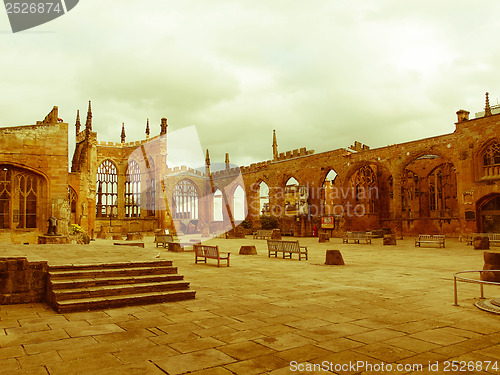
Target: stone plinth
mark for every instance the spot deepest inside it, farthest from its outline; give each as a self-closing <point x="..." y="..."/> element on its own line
<point x="248" y="250"/>
<point x="276" y="234"/>
<point x="481" y="243"/>
<point x="323" y="237"/>
<point x="389" y="239"/>
<point x="135" y="236"/>
<point x="53" y="239"/>
<point x="491" y="262"/>
<point x="117" y="237"/>
<point x="334" y="257"/>
<point x="175" y="247"/>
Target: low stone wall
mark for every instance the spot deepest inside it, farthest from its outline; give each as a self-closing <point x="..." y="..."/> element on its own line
<point x="22" y="281"/>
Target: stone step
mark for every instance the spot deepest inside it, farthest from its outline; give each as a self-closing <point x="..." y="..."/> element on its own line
<point x="118" y="290"/>
<point x="65" y="283"/>
<point x="154" y="263"/>
<point x="120" y="301"/>
<point x="113" y="272"/>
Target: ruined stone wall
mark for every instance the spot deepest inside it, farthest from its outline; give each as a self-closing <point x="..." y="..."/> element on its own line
<point x="462" y="149"/>
<point x="43" y="150"/>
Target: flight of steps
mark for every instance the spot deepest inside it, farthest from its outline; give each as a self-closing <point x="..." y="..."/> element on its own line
<point x="102" y="286"/>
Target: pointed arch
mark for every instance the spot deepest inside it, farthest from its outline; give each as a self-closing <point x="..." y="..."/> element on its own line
<point x="239" y="209"/>
<point x="218" y="205"/>
<point x="329" y="194"/>
<point x="185" y="200"/>
<point x="133" y="190"/>
<point x="264" y="208"/>
<point x="107" y="189"/>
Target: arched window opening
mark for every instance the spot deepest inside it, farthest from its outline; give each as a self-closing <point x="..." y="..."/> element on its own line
<point x="292" y="197"/>
<point x="264" y="198"/>
<point x="20" y="191"/>
<point x="28" y="186"/>
<point x="185" y="201"/>
<point x="330" y="195"/>
<point x="239" y="204"/>
<point x="364" y="184"/>
<point x="73" y="200"/>
<point x="133" y="190"/>
<point x="107" y="189"/>
<point x="491" y="161"/>
<point x="218" y="205"/>
<point x="442" y="191"/>
<point x="5" y="197"/>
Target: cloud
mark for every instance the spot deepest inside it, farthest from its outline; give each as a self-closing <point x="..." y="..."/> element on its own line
<point x="322" y="74"/>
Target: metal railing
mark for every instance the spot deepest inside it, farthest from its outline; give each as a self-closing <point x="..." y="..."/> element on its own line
<point x="473" y="281"/>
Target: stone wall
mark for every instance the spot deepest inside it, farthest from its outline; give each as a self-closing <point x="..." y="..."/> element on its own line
<point x="22" y="281"/>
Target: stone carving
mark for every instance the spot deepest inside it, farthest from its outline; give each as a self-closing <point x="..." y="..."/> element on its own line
<point x="52" y="226"/>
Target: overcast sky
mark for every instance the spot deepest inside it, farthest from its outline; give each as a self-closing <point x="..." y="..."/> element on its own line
<point x="322" y="73"/>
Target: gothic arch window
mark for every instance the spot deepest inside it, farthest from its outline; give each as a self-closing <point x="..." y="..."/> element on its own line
<point x="329" y="194"/>
<point x="364" y="183"/>
<point x="218" y="206"/>
<point x="107" y="189"/>
<point x="491" y="161"/>
<point x="133" y="190"/>
<point x="185" y="201"/>
<point x="73" y="201"/>
<point x="442" y="191"/>
<point x="239" y="204"/>
<point x="20" y="194"/>
<point x="5" y="197"/>
<point x="264" y="198"/>
<point x="292" y="197"/>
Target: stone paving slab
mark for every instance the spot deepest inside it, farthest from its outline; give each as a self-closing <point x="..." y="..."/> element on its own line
<point x="258" y="316"/>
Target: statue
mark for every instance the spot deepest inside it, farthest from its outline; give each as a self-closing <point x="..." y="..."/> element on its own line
<point x="52" y="226"/>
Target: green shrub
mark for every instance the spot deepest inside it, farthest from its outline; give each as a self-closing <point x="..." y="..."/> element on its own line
<point x="268" y="222"/>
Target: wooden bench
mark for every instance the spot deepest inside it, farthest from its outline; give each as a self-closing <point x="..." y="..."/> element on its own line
<point x="493" y="237"/>
<point x="286" y="247"/>
<point x="437" y="239"/>
<point x="263" y="234"/>
<point x="205" y="252"/>
<point x="357" y="236"/>
<point x="163" y="239"/>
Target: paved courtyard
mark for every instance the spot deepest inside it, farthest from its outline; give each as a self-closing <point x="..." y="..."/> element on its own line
<point x="388" y="310"/>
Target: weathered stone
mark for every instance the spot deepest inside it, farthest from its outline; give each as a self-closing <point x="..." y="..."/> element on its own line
<point x="334" y="257"/>
<point x="491" y="262"/>
<point x="481" y="243"/>
<point x="53" y="239"/>
<point x="248" y="250"/>
<point x="276" y="235"/>
<point x="175" y="247"/>
<point x="134" y="236"/>
<point x="323" y="237"/>
<point x="389" y="239"/>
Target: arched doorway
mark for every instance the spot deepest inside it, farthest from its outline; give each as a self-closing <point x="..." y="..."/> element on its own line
<point x="489" y="214"/>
